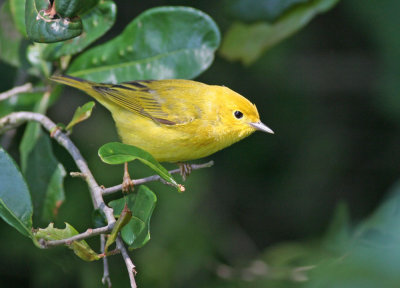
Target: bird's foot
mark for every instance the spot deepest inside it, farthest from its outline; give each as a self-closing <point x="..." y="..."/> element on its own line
<point x="186" y="169"/>
<point x="127" y="183"/>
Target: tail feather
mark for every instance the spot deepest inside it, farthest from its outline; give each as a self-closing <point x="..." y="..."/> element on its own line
<point x="79" y="83"/>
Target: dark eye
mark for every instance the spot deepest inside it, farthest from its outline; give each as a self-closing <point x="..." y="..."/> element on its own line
<point x="238" y="114"/>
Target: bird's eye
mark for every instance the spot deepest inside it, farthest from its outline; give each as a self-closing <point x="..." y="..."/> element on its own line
<point x="238" y="114"/>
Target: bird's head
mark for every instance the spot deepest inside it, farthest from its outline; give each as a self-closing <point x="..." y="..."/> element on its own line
<point x="240" y="115"/>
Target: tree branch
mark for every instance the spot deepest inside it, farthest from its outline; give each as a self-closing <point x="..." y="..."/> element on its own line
<point x="89" y="233"/>
<point x="128" y="261"/>
<point x="113" y="189"/>
<point x="16" y="90"/>
<point x="17" y="118"/>
<point x="106" y="272"/>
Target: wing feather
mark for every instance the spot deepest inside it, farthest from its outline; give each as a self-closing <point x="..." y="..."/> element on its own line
<point x="156" y="100"/>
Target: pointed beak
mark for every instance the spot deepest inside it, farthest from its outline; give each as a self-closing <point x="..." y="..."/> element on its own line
<point x="262" y="127"/>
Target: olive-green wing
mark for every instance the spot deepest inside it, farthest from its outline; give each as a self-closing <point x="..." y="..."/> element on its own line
<point x="167" y="102"/>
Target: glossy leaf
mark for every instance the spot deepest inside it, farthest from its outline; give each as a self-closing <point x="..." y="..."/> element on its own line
<point x="10" y="38"/>
<point x="137" y="232"/>
<point x="42" y="171"/>
<point x="70" y="8"/>
<point x="259" y="10"/>
<point x="119" y="153"/>
<point x="15" y="200"/>
<point x="42" y="27"/>
<point x="161" y="43"/>
<point x="81" y="114"/>
<point x="80" y="248"/>
<point x="247" y="42"/>
<point x="96" y="22"/>
<point x="18" y="14"/>
<point x="123" y="219"/>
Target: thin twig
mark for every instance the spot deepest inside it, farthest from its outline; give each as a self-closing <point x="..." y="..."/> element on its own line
<point x="17" y="118"/>
<point x="78" y="237"/>
<point x="128" y="262"/>
<point x="16" y="90"/>
<point x="113" y="189"/>
<point x="106" y="272"/>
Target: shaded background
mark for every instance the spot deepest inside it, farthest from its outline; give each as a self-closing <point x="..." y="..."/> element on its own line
<point x="331" y="94"/>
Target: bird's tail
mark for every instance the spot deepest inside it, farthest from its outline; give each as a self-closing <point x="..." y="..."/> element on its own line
<point x="79" y="83"/>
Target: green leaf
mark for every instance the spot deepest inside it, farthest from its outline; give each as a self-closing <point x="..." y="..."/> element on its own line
<point x="28" y="143"/>
<point x="15" y="200"/>
<point x="137" y="232"/>
<point x="123" y="219"/>
<point x="55" y="195"/>
<point x="42" y="27"/>
<point x="70" y="8"/>
<point x="18" y="15"/>
<point x="258" y="10"/>
<point x="161" y="43"/>
<point x="10" y="38"/>
<point x="96" y="22"/>
<point x="99" y="218"/>
<point x="119" y="153"/>
<point x="81" y="114"/>
<point x="80" y="248"/>
<point x="247" y="42"/>
<point x="42" y="171"/>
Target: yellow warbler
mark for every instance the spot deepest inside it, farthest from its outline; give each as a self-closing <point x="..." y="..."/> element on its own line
<point x="174" y="120"/>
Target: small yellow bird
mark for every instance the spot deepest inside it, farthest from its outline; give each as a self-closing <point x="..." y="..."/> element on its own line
<point x="174" y="120"/>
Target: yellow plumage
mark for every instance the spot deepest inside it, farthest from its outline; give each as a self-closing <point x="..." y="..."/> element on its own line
<point x="174" y="120"/>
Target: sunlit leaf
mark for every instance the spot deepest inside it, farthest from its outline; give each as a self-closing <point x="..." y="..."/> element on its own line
<point x="119" y="153"/>
<point x="15" y="200"/>
<point x="80" y="248"/>
<point x="81" y="114"/>
<point x="161" y="43"/>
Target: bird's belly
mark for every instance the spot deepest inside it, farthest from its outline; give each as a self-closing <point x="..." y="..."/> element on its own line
<point x="167" y="143"/>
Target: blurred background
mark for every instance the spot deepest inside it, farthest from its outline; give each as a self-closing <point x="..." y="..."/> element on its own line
<point x="331" y="93"/>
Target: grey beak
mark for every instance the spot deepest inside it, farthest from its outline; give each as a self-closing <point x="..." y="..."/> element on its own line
<point x="262" y="127"/>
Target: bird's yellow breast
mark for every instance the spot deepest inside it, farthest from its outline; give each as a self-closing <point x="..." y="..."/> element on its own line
<point x="173" y="143"/>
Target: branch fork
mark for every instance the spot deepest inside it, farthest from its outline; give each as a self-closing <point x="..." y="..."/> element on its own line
<point x="97" y="192"/>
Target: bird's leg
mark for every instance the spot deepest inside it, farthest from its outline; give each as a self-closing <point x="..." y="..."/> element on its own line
<point x="127" y="183"/>
<point x="186" y="169"/>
